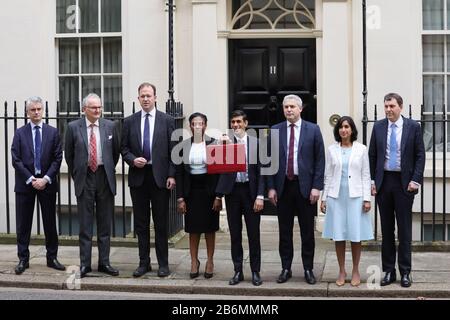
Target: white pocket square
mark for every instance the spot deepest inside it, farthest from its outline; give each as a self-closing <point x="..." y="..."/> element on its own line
<point x="110" y="137"/>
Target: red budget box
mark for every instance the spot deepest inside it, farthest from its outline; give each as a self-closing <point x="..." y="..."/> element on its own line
<point x="225" y="158"/>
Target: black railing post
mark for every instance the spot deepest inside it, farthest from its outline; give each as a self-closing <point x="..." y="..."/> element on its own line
<point x="8" y="221"/>
<point x="364" y="72"/>
<point x="422" y="188"/>
<point x="170" y="7"/>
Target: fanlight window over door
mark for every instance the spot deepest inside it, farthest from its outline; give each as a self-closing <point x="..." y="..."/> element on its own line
<point x="273" y="14"/>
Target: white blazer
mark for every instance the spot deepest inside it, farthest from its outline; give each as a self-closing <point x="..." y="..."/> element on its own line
<point x="358" y="172"/>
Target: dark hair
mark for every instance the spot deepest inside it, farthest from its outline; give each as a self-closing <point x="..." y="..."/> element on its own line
<point x="238" y="113"/>
<point x="352" y="125"/>
<point x="198" y="114"/>
<point x="146" y="84"/>
<point x="395" y="96"/>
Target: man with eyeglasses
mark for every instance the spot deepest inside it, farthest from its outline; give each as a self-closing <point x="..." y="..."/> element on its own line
<point x="36" y="157"/>
<point x="92" y="152"/>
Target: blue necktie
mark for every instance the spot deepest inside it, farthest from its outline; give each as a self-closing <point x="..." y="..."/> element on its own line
<point x="37" y="150"/>
<point x="146" y="146"/>
<point x="393" y="148"/>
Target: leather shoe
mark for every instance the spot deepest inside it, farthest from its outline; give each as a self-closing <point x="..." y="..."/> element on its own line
<point x="238" y="277"/>
<point x="141" y="270"/>
<point x="389" y="277"/>
<point x="406" y="280"/>
<point x="55" y="264"/>
<point x="256" y="279"/>
<point x="84" y="270"/>
<point x="309" y="277"/>
<point x="163" y="272"/>
<point x="108" y="270"/>
<point x="284" y="276"/>
<point x="21" y="266"/>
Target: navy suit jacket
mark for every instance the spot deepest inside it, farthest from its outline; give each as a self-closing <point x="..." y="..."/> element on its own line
<point x="162" y="165"/>
<point x="310" y="159"/>
<point x="412" y="152"/>
<point x="256" y="181"/>
<point x="22" y="152"/>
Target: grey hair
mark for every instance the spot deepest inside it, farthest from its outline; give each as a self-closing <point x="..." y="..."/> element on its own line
<point x="90" y="96"/>
<point x="294" y="97"/>
<point x="32" y="101"/>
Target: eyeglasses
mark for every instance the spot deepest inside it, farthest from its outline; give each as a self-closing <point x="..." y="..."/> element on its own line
<point x="94" y="108"/>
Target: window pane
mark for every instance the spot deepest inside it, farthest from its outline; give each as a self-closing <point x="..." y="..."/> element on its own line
<point x="88" y="15"/>
<point x="433" y="92"/>
<point x="433" y="14"/>
<point x="68" y="56"/>
<point x="433" y="53"/>
<point x="68" y="94"/>
<point x="112" y="55"/>
<point x="113" y="93"/>
<point x="65" y="16"/>
<point x="111" y="16"/>
<point x="90" y="55"/>
<point x="91" y="85"/>
<point x="433" y="136"/>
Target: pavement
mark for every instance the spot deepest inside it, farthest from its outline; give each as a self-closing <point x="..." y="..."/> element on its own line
<point x="431" y="271"/>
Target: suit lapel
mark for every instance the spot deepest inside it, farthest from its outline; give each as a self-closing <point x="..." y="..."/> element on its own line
<point x="283" y="137"/>
<point x="29" y="138"/>
<point x="44" y="138"/>
<point x="383" y="137"/>
<point x="102" y="132"/>
<point x="405" y="132"/>
<point x="156" y="129"/>
<point x="303" y="133"/>
<point x="83" y="132"/>
<point x="137" y="128"/>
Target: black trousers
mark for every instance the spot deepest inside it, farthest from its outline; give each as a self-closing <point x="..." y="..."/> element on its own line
<point x="395" y="204"/>
<point x="96" y="197"/>
<point x="291" y="204"/>
<point x="24" y="221"/>
<point x="141" y="197"/>
<point x="239" y="203"/>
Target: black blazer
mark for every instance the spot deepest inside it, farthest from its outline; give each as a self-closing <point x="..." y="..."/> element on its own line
<point x="183" y="175"/>
<point x="22" y="152"/>
<point x="412" y="152"/>
<point x="310" y="160"/>
<point x="256" y="181"/>
<point x="162" y="145"/>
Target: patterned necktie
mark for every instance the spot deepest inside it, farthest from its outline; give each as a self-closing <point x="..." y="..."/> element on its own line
<point x="37" y="150"/>
<point x="92" y="150"/>
<point x="146" y="147"/>
<point x="392" y="165"/>
<point x="290" y="168"/>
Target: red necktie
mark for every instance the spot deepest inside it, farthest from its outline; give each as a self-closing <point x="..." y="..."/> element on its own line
<point x="290" y="168"/>
<point x="92" y="150"/>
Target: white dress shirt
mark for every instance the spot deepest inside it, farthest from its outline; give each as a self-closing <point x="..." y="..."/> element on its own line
<point x="33" y="132"/>
<point x="297" y="128"/>
<point x="197" y="158"/>
<point x="151" y="118"/>
<point x="243" y="176"/>
<point x="97" y="139"/>
<point x="399" y="130"/>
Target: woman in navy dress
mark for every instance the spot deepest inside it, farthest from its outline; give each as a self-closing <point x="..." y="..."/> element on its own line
<point x="346" y="196"/>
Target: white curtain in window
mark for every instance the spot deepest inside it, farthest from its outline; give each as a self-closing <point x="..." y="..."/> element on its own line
<point x="433" y="14"/>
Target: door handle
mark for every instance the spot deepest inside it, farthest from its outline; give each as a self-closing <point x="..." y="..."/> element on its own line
<point x="273" y="70"/>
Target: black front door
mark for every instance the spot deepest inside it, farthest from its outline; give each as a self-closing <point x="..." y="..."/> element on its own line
<point x="264" y="71"/>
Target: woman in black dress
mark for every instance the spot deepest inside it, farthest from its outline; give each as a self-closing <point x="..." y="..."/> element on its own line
<point x="196" y="194"/>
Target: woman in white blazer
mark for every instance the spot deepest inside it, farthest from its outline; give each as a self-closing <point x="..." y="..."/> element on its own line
<point x="346" y="196"/>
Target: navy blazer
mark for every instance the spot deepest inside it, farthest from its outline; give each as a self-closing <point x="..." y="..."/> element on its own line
<point x="412" y="152"/>
<point x="162" y="165"/>
<point x="183" y="170"/>
<point x="256" y="181"/>
<point x="22" y="152"/>
<point x="310" y="159"/>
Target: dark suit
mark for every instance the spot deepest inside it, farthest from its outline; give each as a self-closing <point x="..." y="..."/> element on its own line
<point x="293" y="196"/>
<point x="149" y="183"/>
<point x="22" y="151"/>
<point x="93" y="189"/>
<point x="392" y="193"/>
<point x="240" y="198"/>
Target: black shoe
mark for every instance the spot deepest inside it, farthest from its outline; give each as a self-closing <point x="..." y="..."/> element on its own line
<point x="84" y="270"/>
<point x="163" y="272"/>
<point x="55" y="264"/>
<point x="406" y="280"/>
<point x="21" y="266"/>
<point x="194" y="275"/>
<point x="284" y="276"/>
<point x="256" y="279"/>
<point x="238" y="277"/>
<point x="389" y="277"/>
<point x="108" y="270"/>
<point x="309" y="277"/>
<point x="141" y="270"/>
<point x="208" y="275"/>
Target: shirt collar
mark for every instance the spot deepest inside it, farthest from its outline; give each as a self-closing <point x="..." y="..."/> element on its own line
<point x="34" y="125"/>
<point x="297" y="124"/>
<point x="244" y="138"/>
<point x="152" y="113"/>
<point x="398" y="123"/>
<point x="88" y="123"/>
